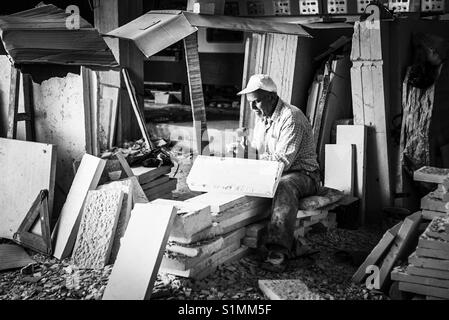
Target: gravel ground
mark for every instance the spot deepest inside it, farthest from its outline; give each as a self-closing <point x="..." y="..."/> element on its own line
<point x="324" y="274"/>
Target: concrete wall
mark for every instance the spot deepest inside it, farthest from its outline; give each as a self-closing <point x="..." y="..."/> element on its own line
<point x="59" y="120"/>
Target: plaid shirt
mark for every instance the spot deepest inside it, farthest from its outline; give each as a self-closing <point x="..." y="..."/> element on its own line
<point x="286" y="136"/>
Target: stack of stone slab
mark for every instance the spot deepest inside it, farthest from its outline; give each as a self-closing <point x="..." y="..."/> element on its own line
<point x="208" y="232"/>
<point x="428" y="271"/>
<point x="156" y="182"/>
<point x="436" y="203"/>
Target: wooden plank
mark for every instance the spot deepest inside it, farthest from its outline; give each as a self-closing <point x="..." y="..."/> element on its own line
<point x="428" y="263"/>
<point x="397" y="275"/>
<point x="182" y="262"/>
<point x="312" y="101"/>
<point x="433" y="204"/>
<point x="201" y="138"/>
<point x="292" y="289"/>
<point x="436" y="244"/>
<point x="432" y="253"/>
<point x="210" y="262"/>
<point x="431" y="175"/>
<point x="205" y="247"/>
<point x="357" y="135"/>
<point x="257" y="229"/>
<point x="126" y="187"/>
<point x="320" y="111"/>
<point x="96" y="233"/>
<point x="254" y="205"/>
<point x="138" y="194"/>
<point x="379" y="250"/>
<point x="28" y="168"/>
<point x="140" y="255"/>
<point x="162" y="190"/>
<point x="190" y="219"/>
<point x="137" y="111"/>
<point x="235" y="176"/>
<point x="430" y="215"/>
<point x="13" y="103"/>
<point x="155" y="183"/>
<point x="66" y="229"/>
<point x="339" y="167"/>
<point x="429" y="273"/>
<point x="402" y="242"/>
<point x="220" y="202"/>
<point x="233" y="256"/>
<point x="87" y="101"/>
<point x="124" y="164"/>
<point x="424" y="290"/>
<point x="13" y="257"/>
<point x="146" y="175"/>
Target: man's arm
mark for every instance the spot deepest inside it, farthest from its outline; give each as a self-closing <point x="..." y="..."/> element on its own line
<point x="287" y="148"/>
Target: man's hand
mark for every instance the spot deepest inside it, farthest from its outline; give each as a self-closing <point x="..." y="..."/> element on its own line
<point x="236" y="149"/>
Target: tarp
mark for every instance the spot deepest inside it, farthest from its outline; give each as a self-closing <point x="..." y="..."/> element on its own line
<point x="157" y="30"/>
<point x="41" y="36"/>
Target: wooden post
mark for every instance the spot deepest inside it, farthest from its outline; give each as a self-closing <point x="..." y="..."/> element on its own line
<point x="201" y="138"/>
<point x="109" y="15"/>
<point x="370" y="109"/>
<point x="13" y="103"/>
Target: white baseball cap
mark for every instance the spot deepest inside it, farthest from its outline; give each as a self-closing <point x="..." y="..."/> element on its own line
<point x="259" y="81"/>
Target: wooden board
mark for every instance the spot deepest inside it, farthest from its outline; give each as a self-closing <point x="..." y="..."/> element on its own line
<point x="220" y="202"/>
<point x="140" y="255"/>
<point x="339" y="167"/>
<point x="190" y="219"/>
<point x="424" y="290"/>
<point x="428" y="263"/>
<point x="402" y="242"/>
<point x="138" y="194"/>
<point x="431" y="175"/>
<point x="379" y="250"/>
<point x="182" y="262"/>
<point x="435" y="244"/>
<point x="201" y="138"/>
<point x="357" y="135"/>
<point x="125" y="186"/>
<point x="428" y="273"/>
<point x="397" y="275"/>
<point x="233" y="256"/>
<point x="287" y="290"/>
<point x="257" y="229"/>
<point x="253" y="205"/>
<point x="13" y="257"/>
<point x="430" y="215"/>
<point x="28" y="168"/>
<point x="432" y="253"/>
<point x="66" y="229"/>
<point x="369" y="107"/>
<point x="96" y="233"/>
<point x="146" y="175"/>
<point x="160" y="190"/>
<point x="155" y="183"/>
<point x="433" y="204"/>
<point x="205" y="264"/>
<point x="205" y="247"/>
<point x="235" y="176"/>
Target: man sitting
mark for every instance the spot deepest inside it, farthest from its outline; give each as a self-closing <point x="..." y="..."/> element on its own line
<point x="282" y="133"/>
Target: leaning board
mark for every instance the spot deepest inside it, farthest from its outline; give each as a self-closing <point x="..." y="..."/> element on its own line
<point x="235" y="176"/>
<point x="28" y="168"/>
<point x="140" y="254"/>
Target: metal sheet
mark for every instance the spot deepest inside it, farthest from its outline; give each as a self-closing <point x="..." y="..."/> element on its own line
<point x="157" y="30"/>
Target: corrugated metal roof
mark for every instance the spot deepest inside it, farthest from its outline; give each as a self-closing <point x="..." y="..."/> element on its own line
<point x="40" y="36"/>
<point x="157" y="30"/>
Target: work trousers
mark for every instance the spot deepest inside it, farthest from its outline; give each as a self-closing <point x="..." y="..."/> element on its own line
<point x="292" y="187"/>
